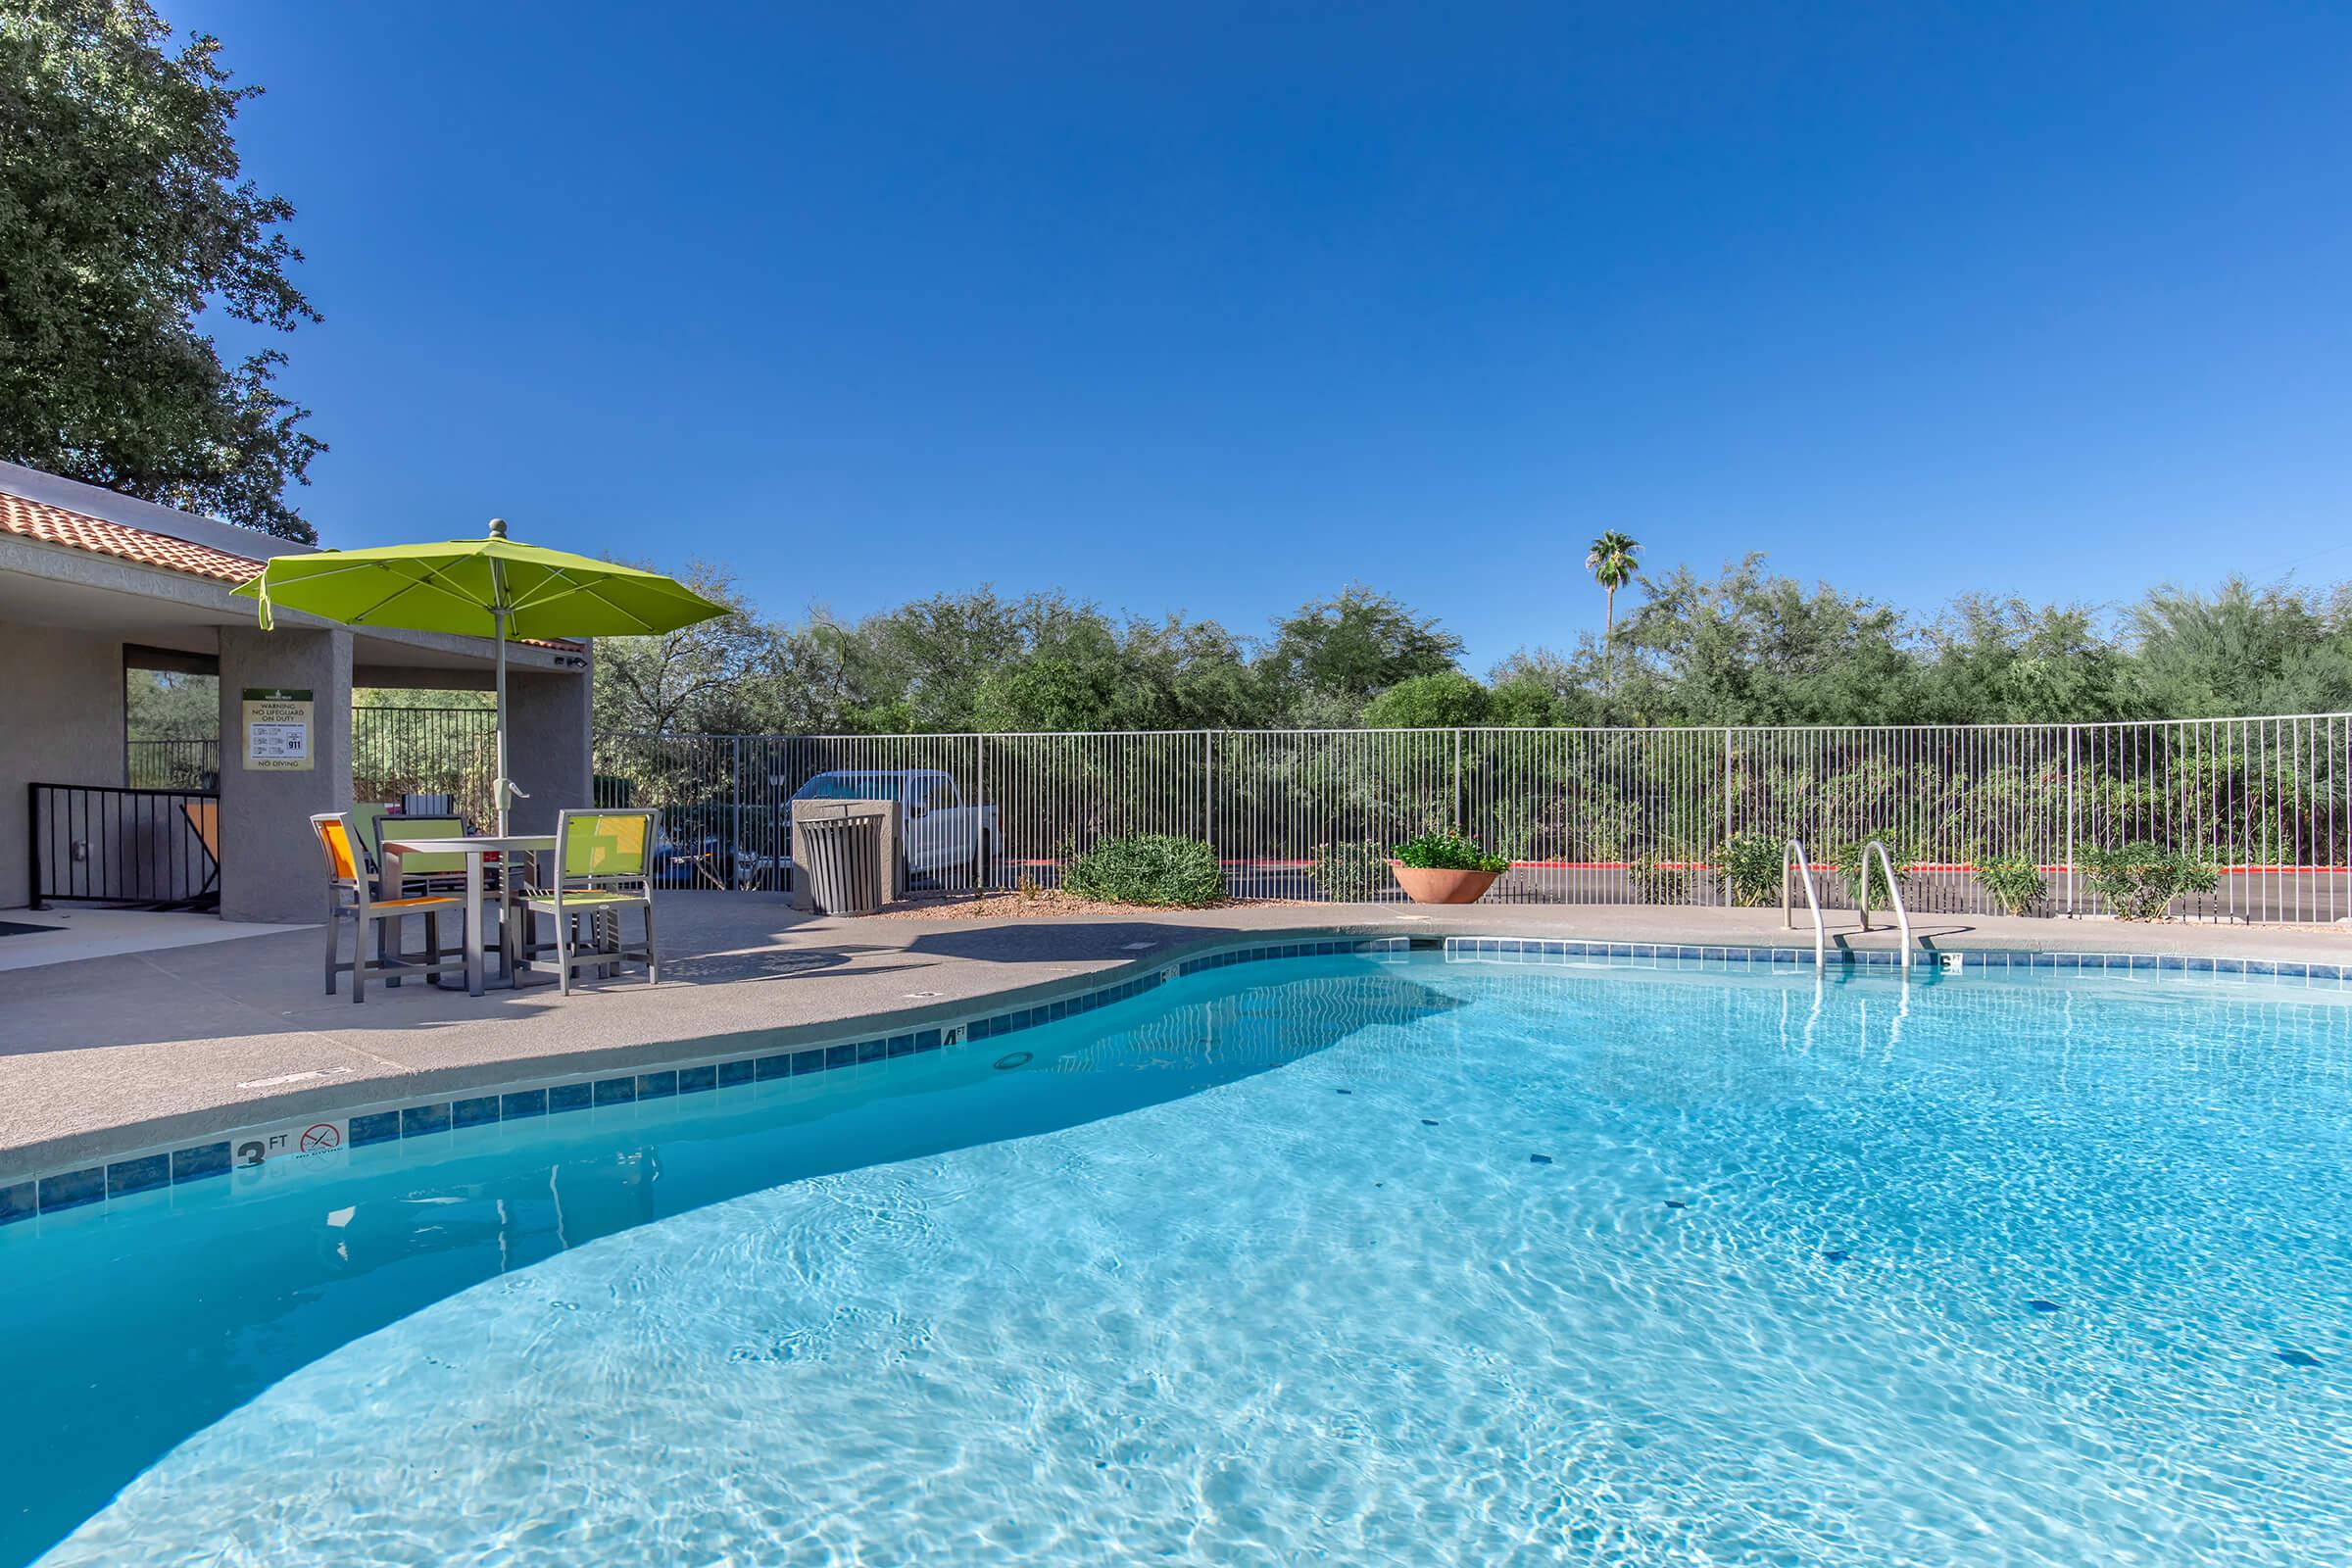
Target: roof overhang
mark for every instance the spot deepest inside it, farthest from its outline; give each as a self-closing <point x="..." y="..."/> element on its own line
<point x="80" y="558"/>
<point x="56" y="585"/>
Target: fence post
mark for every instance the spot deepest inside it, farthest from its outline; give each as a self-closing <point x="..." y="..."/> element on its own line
<point x="2071" y="798"/>
<point x="1208" y="787"/>
<point x="735" y="797"/>
<point x="32" y="848"/>
<point x="1723" y="872"/>
<point x="1457" y="781"/>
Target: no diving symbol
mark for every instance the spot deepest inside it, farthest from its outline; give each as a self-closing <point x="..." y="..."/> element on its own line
<point x="326" y="1135"/>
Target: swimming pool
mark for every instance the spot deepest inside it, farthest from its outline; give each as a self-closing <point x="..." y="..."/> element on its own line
<point x="1350" y="1258"/>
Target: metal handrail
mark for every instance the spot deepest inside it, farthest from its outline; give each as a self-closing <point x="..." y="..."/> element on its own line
<point x="1804" y="864"/>
<point x="1894" y="892"/>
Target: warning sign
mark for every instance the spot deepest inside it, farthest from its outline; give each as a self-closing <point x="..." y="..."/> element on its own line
<point x="279" y="726"/>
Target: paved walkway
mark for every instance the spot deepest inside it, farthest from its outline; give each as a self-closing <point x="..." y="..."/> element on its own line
<point x="113" y="1052"/>
<point x="68" y="936"/>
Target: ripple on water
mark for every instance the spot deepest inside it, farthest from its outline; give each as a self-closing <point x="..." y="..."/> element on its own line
<point x="2027" y="1282"/>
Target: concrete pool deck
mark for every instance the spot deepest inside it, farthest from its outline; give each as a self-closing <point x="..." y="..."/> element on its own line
<point x="113" y="1052"/>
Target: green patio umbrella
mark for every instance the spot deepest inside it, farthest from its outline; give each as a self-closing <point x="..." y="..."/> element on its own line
<point x="489" y="587"/>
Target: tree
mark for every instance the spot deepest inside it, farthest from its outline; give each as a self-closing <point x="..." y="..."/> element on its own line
<point x="2243" y="651"/>
<point x="1612" y="565"/>
<point x="704" y="678"/>
<point x="1749" y="648"/>
<point x="1744" y="648"/>
<point x="122" y="219"/>
<point x="1526" y="704"/>
<point x="1447" y="700"/>
<point x="2003" y="661"/>
<point x="1353" y="647"/>
<point x="163" y="705"/>
<point x="1538" y="687"/>
<point x="920" y="668"/>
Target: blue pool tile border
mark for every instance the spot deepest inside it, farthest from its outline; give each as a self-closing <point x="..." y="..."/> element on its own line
<point x="154" y="1169"/>
<point x="383" y="1127"/>
<point x="1586" y="953"/>
<point x="196" y="1161"/>
<point x="140" y="1174"/>
<point x="72" y="1189"/>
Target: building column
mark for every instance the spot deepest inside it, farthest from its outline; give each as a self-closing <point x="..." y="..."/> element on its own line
<point x="547" y="745"/>
<point x="270" y="869"/>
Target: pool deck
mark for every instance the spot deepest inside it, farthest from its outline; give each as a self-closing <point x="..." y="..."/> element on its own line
<point x="108" y="1054"/>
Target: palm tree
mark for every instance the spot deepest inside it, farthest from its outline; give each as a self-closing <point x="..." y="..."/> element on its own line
<point x="1611" y="562"/>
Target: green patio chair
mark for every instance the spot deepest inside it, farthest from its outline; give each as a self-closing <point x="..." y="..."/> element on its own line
<point x="603" y="867"/>
<point x="431" y="873"/>
<point x="443" y="874"/>
<point x="366" y="831"/>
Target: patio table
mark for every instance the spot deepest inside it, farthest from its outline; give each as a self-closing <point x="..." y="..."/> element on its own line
<point x="512" y="845"/>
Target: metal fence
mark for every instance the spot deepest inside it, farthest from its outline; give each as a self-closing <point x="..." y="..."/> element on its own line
<point x="1584" y="815"/>
<point x="177" y="762"/>
<point x="426" y="751"/>
<point x="1590" y="815"/>
<point x="394" y="752"/>
<point x="153" y="848"/>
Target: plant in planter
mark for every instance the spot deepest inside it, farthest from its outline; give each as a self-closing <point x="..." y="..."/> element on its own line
<point x="1350" y="871"/>
<point x="1444" y="868"/>
<point x="2012" y="881"/>
<point x="1865" y="877"/>
<point x="2141" y="881"/>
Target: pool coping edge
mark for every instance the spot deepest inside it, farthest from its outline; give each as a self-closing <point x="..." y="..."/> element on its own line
<point x="455" y="1099"/>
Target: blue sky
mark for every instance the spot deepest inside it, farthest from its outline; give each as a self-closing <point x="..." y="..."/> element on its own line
<point x="1218" y="308"/>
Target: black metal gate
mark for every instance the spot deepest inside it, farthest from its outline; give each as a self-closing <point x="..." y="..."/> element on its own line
<point x="145" y="849"/>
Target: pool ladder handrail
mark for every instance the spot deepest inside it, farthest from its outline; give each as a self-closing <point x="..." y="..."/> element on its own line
<point x="1804" y="866"/>
<point x="1894" y="892"/>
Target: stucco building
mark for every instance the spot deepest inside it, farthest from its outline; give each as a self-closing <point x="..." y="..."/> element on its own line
<point x="94" y="584"/>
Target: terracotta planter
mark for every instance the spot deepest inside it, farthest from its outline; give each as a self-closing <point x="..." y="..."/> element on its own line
<point x="1441" y="887"/>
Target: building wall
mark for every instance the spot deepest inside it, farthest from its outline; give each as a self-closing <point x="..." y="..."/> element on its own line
<point x="271" y="865"/>
<point x="61" y="722"/>
<point x="547" y="747"/>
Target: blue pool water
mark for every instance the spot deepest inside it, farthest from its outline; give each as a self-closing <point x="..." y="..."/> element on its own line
<point x="1344" y="1259"/>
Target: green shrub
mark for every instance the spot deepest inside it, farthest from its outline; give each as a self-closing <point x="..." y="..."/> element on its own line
<point x="1150" y="868"/>
<point x="1751" y="869"/>
<point x="2141" y="881"/>
<point x="1865" y="877"/>
<point x="1448" y="852"/>
<point x="1350" y="871"/>
<point x="1657" y="883"/>
<point x="1429" y="702"/>
<point x="2012" y="881"/>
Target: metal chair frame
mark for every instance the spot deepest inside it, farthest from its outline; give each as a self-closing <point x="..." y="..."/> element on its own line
<point x="349" y="897"/>
<point x="610" y="894"/>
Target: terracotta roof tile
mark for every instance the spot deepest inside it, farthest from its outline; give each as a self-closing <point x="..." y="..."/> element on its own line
<point x="78" y="531"/>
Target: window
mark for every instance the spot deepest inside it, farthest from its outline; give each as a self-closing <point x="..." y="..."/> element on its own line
<point x="848" y="786"/>
<point x="170" y="719"/>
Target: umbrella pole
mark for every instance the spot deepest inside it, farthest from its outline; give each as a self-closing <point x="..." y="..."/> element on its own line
<point x="500" y="787"/>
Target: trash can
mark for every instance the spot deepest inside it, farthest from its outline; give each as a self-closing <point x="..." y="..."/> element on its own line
<point x="842" y="858"/>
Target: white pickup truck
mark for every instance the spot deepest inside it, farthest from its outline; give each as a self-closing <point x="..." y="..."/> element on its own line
<point x="943" y="836"/>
